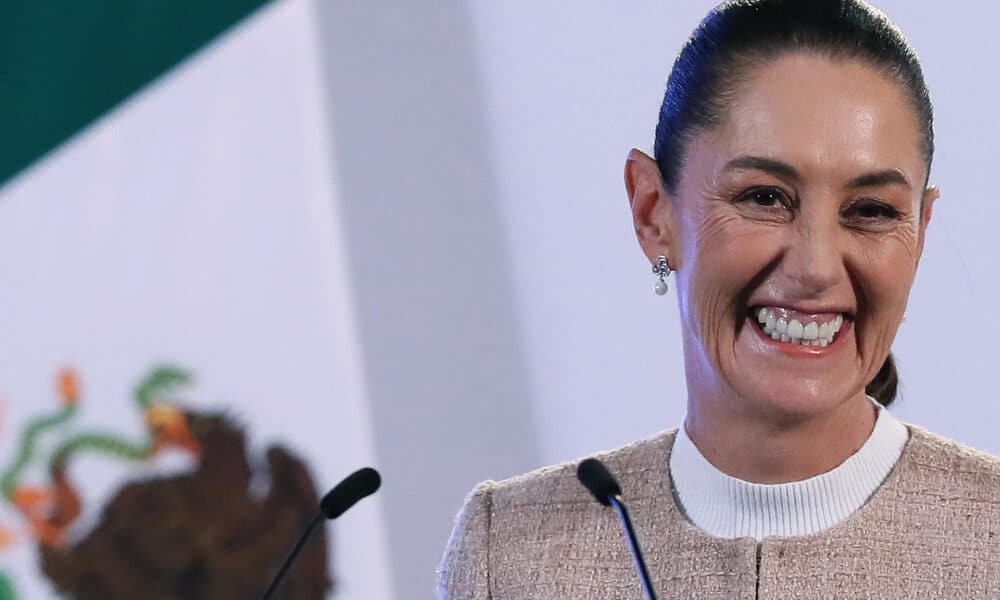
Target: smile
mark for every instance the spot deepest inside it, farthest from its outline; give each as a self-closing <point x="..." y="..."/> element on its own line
<point x="784" y="325"/>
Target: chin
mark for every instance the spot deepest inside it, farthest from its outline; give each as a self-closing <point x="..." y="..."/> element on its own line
<point x="788" y="398"/>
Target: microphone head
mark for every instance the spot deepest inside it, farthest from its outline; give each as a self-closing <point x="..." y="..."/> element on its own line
<point x="354" y="487"/>
<point x="598" y="480"/>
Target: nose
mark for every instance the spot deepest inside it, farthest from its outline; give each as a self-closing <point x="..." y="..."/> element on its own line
<point x="813" y="260"/>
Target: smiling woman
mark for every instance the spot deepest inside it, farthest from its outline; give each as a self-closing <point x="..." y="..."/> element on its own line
<point x="789" y="193"/>
<point x="797" y="206"/>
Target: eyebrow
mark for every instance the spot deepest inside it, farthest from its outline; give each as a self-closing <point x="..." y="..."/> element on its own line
<point x="787" y="171"/>
<point x="768" y="165"/>
<point x="886" y="177"/>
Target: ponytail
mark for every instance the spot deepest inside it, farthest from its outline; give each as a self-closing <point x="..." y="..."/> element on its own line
<point x="883" y="387"/>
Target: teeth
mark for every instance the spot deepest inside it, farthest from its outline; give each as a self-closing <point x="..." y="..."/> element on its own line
<point x="813" y="334"/>
<point x="781" y="326"/>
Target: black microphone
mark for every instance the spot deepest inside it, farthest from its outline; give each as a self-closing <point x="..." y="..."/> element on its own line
<point x="601" y="483"/>
<point x="359" y="484"/>
<point x="354" y="487"/>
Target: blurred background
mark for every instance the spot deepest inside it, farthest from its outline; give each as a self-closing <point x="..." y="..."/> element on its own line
<point x="249" y="246"/>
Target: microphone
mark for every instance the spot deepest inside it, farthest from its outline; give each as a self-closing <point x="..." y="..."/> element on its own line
<point x="601" y="483"/>
<point x="359" y="484"/>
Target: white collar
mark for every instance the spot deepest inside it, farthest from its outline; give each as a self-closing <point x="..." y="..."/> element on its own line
<point x="727" y="507"/>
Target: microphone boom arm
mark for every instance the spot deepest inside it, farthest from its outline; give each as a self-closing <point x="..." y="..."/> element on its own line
<point x="633" y="544"/>
<point x="291" y="556"/>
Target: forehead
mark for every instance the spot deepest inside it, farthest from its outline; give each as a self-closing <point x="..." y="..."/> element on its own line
<point x="827" y="117"/>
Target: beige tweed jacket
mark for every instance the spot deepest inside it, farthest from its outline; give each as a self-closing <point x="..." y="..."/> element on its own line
<point x="932" y="530"/>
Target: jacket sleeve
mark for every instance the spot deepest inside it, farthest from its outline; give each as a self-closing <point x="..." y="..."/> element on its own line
<point x="464" y="573"/>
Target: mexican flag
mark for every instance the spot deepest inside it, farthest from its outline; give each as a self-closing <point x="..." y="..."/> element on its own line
<point x="180" y="370"/>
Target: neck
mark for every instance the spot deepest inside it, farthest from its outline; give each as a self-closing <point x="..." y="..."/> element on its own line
<point x="778" y="449"/>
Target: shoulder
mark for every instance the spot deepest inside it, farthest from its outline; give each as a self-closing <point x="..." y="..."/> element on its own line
<point x="514" y="537"/>
<point x="938" y="453"/>
<point x="952" y="469"/>
<point x="634" y="465"/>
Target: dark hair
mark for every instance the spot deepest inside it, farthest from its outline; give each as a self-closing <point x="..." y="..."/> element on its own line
<point x="741" y="34"/>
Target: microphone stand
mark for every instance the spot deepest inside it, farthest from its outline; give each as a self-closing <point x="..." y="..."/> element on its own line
<point x="602" y="485"/>
<point x="633" y="544"/>
<point x="291" y="556"/>
<point x="357" y="485"/>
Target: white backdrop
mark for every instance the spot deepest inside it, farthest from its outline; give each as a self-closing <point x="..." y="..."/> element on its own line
<point x="531" y="108"/>
<point x="570" y="91"/>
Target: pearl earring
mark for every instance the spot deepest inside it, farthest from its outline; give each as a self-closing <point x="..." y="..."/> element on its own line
<point x="661" y="269"/>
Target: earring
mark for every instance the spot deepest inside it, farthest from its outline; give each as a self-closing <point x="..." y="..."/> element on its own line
<point x="661" y="269"/>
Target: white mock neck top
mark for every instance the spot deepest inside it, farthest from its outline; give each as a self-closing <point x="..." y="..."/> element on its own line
<point x="727" y="507"/>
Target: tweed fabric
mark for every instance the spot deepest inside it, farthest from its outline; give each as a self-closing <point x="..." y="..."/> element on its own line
<point x="932" y="530"/>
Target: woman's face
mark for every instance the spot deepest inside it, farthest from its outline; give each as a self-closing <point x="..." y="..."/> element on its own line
<point x="795" y="231"/>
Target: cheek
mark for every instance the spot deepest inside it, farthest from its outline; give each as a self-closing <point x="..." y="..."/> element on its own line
<point x="885" y="275"/>
<point x="890" y="266"/>
<point x="889" y="284"/>
<point x="728" y="255"/>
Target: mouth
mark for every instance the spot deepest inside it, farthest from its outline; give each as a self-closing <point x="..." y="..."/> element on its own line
<point x="792" y="327"/>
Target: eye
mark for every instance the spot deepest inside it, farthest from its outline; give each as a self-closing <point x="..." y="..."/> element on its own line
<point x="764" y="197"/>
<point x="871" y="211"/>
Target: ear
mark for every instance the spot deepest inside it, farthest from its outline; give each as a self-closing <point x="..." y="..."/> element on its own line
<point x="931" y="194"/>
<point x="652" y="209"/>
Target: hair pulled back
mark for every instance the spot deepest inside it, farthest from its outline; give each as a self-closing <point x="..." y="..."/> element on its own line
<point x="741" y="34"/>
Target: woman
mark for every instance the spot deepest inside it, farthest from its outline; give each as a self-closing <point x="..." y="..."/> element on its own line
<point x="789" y="194"/>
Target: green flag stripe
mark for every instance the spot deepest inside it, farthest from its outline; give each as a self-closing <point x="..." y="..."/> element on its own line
<point x="64" y="64"/>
